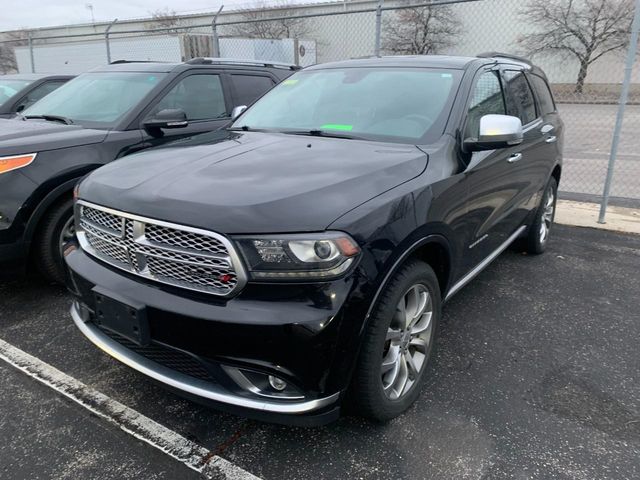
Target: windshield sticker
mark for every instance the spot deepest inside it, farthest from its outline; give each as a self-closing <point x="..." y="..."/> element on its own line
<point x="290" y="81"/>
<point x="446" y="75"/>
<point x="337" y="126"/>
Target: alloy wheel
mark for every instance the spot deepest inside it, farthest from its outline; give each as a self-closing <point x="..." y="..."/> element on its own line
<point x="407" y="342"/>
<point x="67" y="233"/>
<point x="547" y="216"/>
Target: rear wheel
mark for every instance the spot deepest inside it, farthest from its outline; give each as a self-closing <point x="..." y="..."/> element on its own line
<point x="398" y="344"/>
<point x="538" y="235"/>
<point x="56" y="229"/>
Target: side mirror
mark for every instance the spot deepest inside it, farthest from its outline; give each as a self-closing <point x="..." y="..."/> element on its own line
<point x="237" y="111"/>
<point x="168" y="118"/>
<point x="496" y="131"/>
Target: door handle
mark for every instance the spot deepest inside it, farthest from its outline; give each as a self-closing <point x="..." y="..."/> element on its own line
<point x="551" y="139"/>
<point x="516" y="157"/>
<point x="548" y="128"/>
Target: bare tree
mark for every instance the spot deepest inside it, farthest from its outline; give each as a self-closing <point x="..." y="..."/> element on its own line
<point x="167" y="20"/>
<point x="584" y="29"/>
<point x="283" y="24"/>
<point x="421" y="30"/>
<point x="8" y="41"/>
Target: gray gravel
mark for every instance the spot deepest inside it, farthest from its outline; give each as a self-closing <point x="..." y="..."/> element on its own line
<point x="537" y="375"/>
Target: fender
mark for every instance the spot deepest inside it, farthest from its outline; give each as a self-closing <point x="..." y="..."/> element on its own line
<point x="49" y="199"/>
<point x="431" y="238"/>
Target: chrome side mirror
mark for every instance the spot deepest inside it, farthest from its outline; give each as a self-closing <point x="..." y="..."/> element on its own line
<point x="237" y="111"/>
<point x="496" y="131"/>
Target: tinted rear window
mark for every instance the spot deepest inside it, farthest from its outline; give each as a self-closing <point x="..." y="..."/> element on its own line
<point x="522" y="103"/>
<point x="250" y="87"/>
<point x="545" y="98"/>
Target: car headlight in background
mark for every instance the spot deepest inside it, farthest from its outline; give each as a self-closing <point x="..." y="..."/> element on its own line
<point x="311" y="256"/>
<point x="15" y="161"/>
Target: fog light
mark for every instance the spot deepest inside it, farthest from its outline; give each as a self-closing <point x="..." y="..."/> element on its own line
<point x="277" y="383"/>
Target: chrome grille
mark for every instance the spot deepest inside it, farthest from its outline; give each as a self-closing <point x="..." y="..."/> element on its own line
<point x="173" y="254"/>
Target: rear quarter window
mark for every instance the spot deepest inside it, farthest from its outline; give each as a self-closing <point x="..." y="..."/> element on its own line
<point x="543" y="92"/>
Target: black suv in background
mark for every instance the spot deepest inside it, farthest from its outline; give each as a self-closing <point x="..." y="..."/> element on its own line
<point x="300" y="257"/>
<point x="20" y="91"/>
<point x="98" y="117"/>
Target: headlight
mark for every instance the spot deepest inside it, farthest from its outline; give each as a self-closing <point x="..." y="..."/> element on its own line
<point x="313" y="256"/>
<point x="16" y="161"/>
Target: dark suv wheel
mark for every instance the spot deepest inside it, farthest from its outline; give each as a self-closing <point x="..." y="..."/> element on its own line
<point x="538" y="235"/>
<point x="398" y="344"/>
<point x="56" y="229"/>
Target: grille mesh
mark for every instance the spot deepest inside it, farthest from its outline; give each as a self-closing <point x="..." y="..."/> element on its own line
<point x="166" y="254"/>
<point x="189" y="240"/>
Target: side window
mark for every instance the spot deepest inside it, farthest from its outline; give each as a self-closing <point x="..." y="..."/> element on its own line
<point x="200" y="96"/>
<point x="521" y="101"/>
<point x="545" y="98"/>
<point x="250" y="87"/>
<point x="486" y="99"/>
<point x="39" y="92"/>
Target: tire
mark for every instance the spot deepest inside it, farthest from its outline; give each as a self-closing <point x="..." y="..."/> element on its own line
<point x="47" y="248"/>
<point x="370" y="394"/>
<point x="537" y="237"/>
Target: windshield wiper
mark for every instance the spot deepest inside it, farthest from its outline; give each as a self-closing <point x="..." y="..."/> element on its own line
<point x="50" y="118"/>
<point x="323" y="133"/>
<point x="244" y="128"/>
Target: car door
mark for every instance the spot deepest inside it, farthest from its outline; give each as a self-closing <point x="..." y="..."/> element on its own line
<point x="552" y="129"/>
<point x="204" y="98"/>
<point x="493" y="190"/>
<point x="532" y="168"/>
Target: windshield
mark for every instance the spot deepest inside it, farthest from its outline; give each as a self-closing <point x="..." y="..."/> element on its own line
<point x="9" y="87"/>
<point x="97" y="99"/>
<point x="405" y="105"/>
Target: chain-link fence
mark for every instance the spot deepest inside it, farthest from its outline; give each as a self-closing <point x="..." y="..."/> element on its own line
<point x="581" y="45"/>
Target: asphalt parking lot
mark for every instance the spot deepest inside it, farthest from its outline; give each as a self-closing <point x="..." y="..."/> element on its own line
<point x="537" y="375"/>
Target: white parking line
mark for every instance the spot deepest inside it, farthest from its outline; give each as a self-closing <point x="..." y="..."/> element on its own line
<point x="134" y="423"/>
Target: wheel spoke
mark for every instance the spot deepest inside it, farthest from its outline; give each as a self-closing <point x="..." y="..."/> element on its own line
<point x="423" y="325"/>
<point x="403" y="377"/>
<point x="411" y="366"/>
<point x="393" y="335"/>
<point x="390" y="359"/>
<point x="419" y="344"/>
<point x="390" y="379"/>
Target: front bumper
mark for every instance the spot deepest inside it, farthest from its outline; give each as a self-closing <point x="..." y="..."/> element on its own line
<point x="296" y="332"/>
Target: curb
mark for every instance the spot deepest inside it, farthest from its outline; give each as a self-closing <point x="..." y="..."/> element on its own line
<point x="582" y="214"/>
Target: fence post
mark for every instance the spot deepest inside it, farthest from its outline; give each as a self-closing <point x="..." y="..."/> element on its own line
<point x="624" y="97"/>
<point x="378" y="27"/>
<point x="33" y="65"/>
<point x="214" y="28"/>
<point x="106" y="40"/>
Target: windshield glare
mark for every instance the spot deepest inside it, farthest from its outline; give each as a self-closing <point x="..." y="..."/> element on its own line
<point x="393" y="104"/>
<point x="9" y="87"/>
<point x="99" y="99"/>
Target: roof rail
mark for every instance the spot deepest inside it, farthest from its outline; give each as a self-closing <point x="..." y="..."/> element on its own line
<point x="237" y="61"/>
<point x="504" y="55"/>
<point x="117" y="62"/>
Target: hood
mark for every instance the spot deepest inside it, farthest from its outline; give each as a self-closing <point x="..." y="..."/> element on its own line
<point x="30" y="136"/>
<point x="254" y="182"/>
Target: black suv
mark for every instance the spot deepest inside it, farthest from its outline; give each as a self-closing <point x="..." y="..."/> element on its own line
<point x="98" y="117"/>
<point x="20" y="91"/>
<point x="301" y="256"/>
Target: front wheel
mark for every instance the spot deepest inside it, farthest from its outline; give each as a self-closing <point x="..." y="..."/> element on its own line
<point x="538" y="235"/>
<point x="56" y="229"/>
<point x="398" y="344"/>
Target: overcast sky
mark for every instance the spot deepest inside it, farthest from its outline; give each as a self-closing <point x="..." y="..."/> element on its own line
<point x="16" y="14"/>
